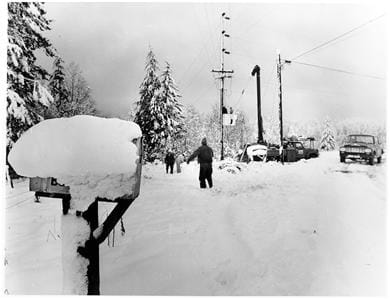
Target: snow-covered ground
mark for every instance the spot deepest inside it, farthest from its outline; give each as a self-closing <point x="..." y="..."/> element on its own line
<point x="315" y="227"/>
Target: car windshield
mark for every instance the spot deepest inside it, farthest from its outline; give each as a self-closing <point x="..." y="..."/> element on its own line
<point x="360" y="138"/>
<point x="298" y="145"/>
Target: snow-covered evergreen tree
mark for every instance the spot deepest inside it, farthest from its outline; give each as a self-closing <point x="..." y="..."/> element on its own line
<point x="58" y="89"/>
<point x="148" y="93"/>
<point x="26" y="95"/>
<point x="168" y="111"/>
<point x="328" y="140"/>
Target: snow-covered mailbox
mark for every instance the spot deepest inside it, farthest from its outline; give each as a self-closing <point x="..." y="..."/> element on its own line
<point x="92" y="159"/>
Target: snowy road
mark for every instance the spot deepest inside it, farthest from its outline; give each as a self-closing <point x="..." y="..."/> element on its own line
<point x="315" y="227"/>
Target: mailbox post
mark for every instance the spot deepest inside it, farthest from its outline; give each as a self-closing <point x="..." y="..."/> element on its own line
<point x="89" y="248"/>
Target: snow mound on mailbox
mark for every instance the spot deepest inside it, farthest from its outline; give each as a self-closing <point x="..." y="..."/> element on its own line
<point x="77" y="145"/>
<point x="93" y="156"/>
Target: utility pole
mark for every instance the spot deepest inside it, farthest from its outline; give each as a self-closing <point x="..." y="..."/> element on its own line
<point x="256" y="71"/>
<point x="279" y="71"/>
<point x="223" y="73"/>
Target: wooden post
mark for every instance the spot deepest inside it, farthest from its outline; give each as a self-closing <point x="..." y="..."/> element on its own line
<point x="80" y="251"/>
<point x="91" y="250"/>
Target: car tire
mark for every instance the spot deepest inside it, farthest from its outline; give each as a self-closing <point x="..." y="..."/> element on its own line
<point x="342" y="159"/>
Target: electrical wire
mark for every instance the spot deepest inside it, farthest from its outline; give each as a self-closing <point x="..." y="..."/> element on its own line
<point x="338" y="70"/>
<point x="189" y="83"/>
<point x="338" y="37"/>
<point x="202" y="39"/>
<point x="210" y="31"/>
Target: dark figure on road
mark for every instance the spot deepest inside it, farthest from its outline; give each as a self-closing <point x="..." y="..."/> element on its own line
<point x="169" y="161"/>
<point x="205" y="159"/>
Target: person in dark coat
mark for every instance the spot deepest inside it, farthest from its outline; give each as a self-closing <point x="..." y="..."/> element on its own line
<point x="169" y="161"/>
<point x="205" y="159"/>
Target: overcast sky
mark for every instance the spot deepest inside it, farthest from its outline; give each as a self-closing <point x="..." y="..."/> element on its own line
<point x="110" y="42"/>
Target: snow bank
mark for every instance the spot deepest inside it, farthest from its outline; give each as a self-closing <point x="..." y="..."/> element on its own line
<point x="79" y="145"/>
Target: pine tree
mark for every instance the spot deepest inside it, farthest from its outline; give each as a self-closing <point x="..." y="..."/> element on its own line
<point x="148" y="92"/>
<point x="168" y="111"/>
<point x="58" y="89"/>
<point x="26" y="96"/>
<point x="328" y="137"/>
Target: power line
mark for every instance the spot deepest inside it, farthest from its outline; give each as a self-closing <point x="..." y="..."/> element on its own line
<point x="338" y="70"/>
<point x="204" y="42"/>
<point x="337" y="37"/>
<point x="210" y="31"/>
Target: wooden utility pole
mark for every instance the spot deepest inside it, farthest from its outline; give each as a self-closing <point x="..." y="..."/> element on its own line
<point x="223" y="73"/>
<point x="260" y="139"/>
<point x="279" y="73"/>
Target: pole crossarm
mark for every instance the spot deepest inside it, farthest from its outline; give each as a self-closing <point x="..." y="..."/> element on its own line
<point x="224" y="77"/>
<point x="223" y="71"/>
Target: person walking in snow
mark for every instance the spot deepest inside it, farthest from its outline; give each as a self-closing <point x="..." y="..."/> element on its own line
<point x="169" y="161"/>
<point x="205" y="159"/>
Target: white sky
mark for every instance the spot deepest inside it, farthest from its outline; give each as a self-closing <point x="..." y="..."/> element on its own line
<point x="110" y="42"/>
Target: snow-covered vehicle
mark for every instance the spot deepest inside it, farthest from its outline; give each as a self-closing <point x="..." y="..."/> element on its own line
<point x="253" y="152"/>
<point x="361" y="147"/>
<point x="273" y="152"/>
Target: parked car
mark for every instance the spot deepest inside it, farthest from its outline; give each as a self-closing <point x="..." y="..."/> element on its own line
<point x="296" y="150"/>
<point x="259" y="152"/>
<point x="311" y="148"/>
<point x="361" y="147"/>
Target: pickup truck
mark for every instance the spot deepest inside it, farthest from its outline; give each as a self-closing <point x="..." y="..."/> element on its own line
<point x="295" y="150"/>
<point x="361" y="147"/>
